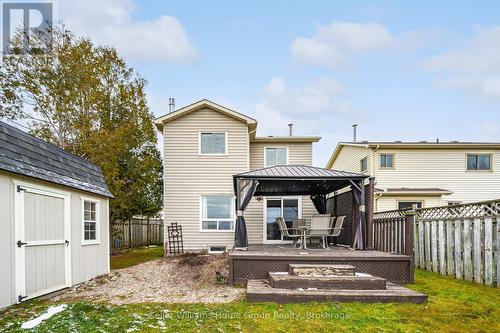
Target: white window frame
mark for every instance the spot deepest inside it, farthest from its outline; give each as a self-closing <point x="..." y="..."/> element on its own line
<point x="275" y="147"/>
<point x="213" y="132"/>
<point x="361" y="164"/>
<point x="387" y="167"/>
<point x="232" y="210"/>
<point x="264" y="217"/>
<point x="97" y="239"/>
<point x="410" y="201"/>
<point x="478" y="170"/>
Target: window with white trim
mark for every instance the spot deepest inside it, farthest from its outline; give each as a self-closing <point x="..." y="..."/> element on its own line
<point x="90" y="211"/>
<point x="478" y="162"/>
<point x="364" y="164"/>
<point x="213" y="143"/>
<point x="217" y="212"/>
<point x="409" y="204"/>
<point x="276" y="156"/>
<point x="386" y="160"/>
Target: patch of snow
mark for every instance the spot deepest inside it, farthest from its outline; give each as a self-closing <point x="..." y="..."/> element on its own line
<point x="363" y="274"/>
<point x="49" y="313"/>
<point x="279" y="273"/>
<point x="300" y="289"/>
<point x="312" y="288"/>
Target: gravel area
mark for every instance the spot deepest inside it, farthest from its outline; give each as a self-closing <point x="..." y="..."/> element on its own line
<point x="161" y="280"/>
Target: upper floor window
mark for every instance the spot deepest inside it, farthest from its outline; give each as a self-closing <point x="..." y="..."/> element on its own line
<point x="90" y="221"/>
<point x="276" y="156"/>
<point x="409" y="204"/>
<point x="478" y="162"/>
<point x="364" y="164"/>
<point x="217" y="212"/>
<point x="213" y="143"/>
<point x="387" y="160"/>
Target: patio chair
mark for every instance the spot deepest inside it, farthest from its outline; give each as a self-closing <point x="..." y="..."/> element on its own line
<point x="337" y="228"/>
<point x="297" y="223"/>
<point x="288" y="232"/>
<point x="320" y="228"/>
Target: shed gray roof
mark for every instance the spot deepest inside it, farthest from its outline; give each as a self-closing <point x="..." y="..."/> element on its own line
<point x="27" y="155"/>
<point x="299" y="171"/>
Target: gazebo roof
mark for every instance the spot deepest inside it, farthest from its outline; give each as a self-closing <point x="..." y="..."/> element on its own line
<point x="299" y="180"/>
<point x="299" y="171"/>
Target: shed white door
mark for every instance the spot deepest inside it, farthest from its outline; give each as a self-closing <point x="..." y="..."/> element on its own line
<point x="42" y="242"/>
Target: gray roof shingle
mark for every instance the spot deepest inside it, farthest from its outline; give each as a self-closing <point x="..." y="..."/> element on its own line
<point x="27" y="155"/>
<point x="299" y="171"/>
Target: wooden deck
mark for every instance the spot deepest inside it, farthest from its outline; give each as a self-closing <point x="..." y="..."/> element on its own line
<point x="259" y="260"/>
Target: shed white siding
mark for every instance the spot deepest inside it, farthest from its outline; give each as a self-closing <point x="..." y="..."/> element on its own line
<point x="87" y="261"/>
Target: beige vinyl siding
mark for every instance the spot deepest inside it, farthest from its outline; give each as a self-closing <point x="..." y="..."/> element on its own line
<point x="87" y="261"/>
<point x="298" y="153"/>
<point x="349" y="159"/>
<point x="385" y="203"/>
<point x="441" y="168"/>
<point x="188" y="175"/>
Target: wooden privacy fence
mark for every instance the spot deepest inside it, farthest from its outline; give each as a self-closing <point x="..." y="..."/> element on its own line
<point x="461" y="240"/>
<point x="136" y="233"/>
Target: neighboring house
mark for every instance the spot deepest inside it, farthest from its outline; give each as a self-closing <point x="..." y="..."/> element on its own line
<point x="54" y="218"/>
<point x="205" y="144"/>
<point x="425" y="174"/>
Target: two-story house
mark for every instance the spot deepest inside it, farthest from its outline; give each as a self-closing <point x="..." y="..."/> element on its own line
<point x="425" y="174"/>
<point x="205" y="144"/>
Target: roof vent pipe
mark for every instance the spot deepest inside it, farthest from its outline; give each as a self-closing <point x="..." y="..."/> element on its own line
<point x="354" y="132"/>
<point x="171" y="104"/>
<point x="290" y="127"/>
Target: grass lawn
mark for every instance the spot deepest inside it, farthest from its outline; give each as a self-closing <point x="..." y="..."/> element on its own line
<point x="454" y="306"/>
<point x="136" y="256"/>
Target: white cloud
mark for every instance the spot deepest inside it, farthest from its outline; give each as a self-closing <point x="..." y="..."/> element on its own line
<point x="110" y="22"/>
<point x="474" y="68"/>
<point x="319" y="108"/>
<point x="310" y="107"/>
<point x="334" y="45"/>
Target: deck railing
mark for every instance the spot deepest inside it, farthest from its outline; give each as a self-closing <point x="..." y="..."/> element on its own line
<point x="392" y="231"/>
<point x="461" y="240"/>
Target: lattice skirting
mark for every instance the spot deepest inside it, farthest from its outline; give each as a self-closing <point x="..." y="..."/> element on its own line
<point x="398" y="271"/>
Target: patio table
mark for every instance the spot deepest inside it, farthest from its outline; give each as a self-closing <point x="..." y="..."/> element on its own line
<point x="304" y="229"/>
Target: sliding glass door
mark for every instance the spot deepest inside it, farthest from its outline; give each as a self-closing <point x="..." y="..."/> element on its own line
<point x="288" y="208"/>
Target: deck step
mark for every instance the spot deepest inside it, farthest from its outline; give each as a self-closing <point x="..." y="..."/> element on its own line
<point x="357" y="282"/>
<point x="321" y="270"/>
<point x="261" y="291"/>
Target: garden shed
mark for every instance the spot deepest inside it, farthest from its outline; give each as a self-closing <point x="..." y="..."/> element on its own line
<point x="54" y="218"/>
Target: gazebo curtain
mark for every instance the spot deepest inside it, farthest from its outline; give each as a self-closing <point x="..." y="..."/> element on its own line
<point x="319" y="201"/>
<point x="243" y="196"/>
<point x="359" y="195"/>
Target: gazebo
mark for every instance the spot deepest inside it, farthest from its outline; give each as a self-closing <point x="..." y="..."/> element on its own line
<point x="316" y="182"/>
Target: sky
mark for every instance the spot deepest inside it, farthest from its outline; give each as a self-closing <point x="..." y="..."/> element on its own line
<point x="401" y="70"/>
